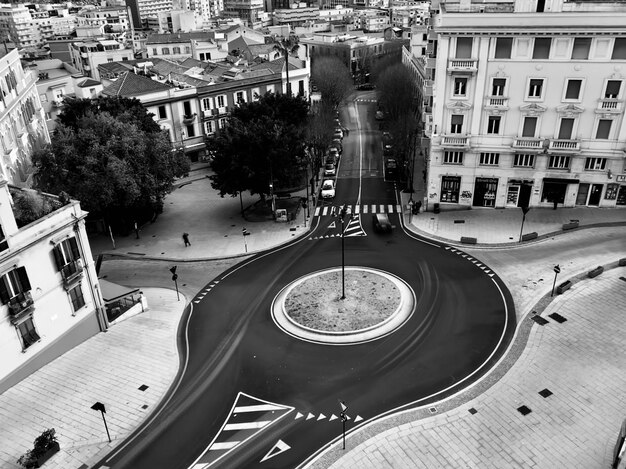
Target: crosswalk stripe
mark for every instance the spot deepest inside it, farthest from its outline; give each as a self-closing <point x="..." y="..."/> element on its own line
<point x="246" y="425"/>
<point x="357" y="209"/>
<point x="365" y="207"/>
<point x="382" y="208"/>
<point x="390" y="207"/>
<point x="399" y="208"/>
<point x="317" y="211"/>
<point x="325" y="211"/>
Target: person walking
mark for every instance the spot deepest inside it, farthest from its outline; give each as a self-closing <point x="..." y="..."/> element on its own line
<point x="186" y="239"/>
<point x="418" y="206"/>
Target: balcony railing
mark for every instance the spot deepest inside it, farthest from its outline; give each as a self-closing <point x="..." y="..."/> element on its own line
<point x="20" y="305"/>
<point x="463" y="65"/>
<point x="71" y="273"/>
<point x="610" y="105"/>
<point x="455" y="141"/>
<point x="497" y="101"/>
<point x="208" y="112"/>
<point x="528" y="143"/>
<point x="564" y="145"/>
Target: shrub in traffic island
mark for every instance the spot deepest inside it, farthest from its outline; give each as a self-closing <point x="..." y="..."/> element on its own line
<point x="44" y="446"/>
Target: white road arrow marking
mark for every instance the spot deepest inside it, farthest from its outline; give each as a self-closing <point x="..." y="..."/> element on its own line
<point x="279" y="447"/>
<point x="332" y="225"/>
<point x="299" y="416"/>
<point x="358" y="419"/>
<point x="321" y="417"/>
<point x="333" y="417"/>
<point x="310" y="416"/>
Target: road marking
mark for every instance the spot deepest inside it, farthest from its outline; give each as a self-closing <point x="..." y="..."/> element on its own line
<point x="333" y="417"/>
<point x="357" y="209"/>
<point x="317" y="211"/>
<point x="365" y="208"/>
<point x="310" y="416"/>
<point x="399" y="208"/>
<point x="358" y="419"/>
<point x="332" y="225"/>
<point x="299" y="416"/>
<point x="278" y="448"/>
<point x="257" y="408"/>
<point x="224" y="445"/>
<point x="390" y="208"/>
<point x="325" y="211"/>
<point x="321" y="417"/>
<point x="245" y="425"/>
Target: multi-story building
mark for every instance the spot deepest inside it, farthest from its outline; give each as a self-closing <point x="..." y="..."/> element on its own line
<point x="295" y="16"/>
<point x="250" y="11"/>
<point x="141" y="10"/>
<point x="49" y="295"/>
<point x="88" y="54"/>
<point x="16" y="23"/>
<point x="372" y="20"/>
<point x="198" y="45"/>
<point x="22" y="124"/>
<point x="526" y="103"/>
<point x="113" y="18"/>
<point x="405" y="14"/>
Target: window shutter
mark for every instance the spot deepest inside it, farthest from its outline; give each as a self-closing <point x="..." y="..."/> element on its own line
<point x="74" y="248"/>
<point x="23" y="276"/>
<point x="58" y="257"/>
<point x="4" y="291"/>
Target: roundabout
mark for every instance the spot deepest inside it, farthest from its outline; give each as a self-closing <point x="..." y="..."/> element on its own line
<point x="376" y="304"/>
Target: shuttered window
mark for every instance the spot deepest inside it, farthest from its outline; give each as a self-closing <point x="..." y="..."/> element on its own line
<point x="13" y="283"/>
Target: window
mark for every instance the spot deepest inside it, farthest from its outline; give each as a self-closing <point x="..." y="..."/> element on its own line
<point x="206" y="104"/>
<point x="489" y="159"/>
<point x="497" y="86"/>
<point x="239" y="98"/>
<point x="191" y="131"/>
<point x="535" y="89"/>
<point x="450" y="186"/>
<point x="209" y="127"/>
<point x="165" y="51"/>
<point x="65" y="253"/>
<point x="154" y="51"/>
<point x="187" y="50"/>
<point x="463" y="47"/>
<point x="503" y="47"/>
<point x="573" y="89"/>
<point x="175" y="50"/>
<point x="581" y="48"/>
<point x="493" y="125"/>
<point x="595" y="164"/>
<point x="456" y="124"/>
<point x="542" y="48"/>
<point x="566" y="128"/>
<point x="76" y="297"/>
<point x="460" y="86"/>
<point x="619" y="49"/>
<point x="4" y="245"/>
<point x="301" y="88"/>
<point x="452" y="157"/>
<point x="221" y="101"/>
<point x="28" y="333"/>
<point x="162" y="112"/>
<point x="530" y="126"/>
<point x="109" y="60"/>
<point x="13" y="283"/>
<point x="524" y="160"/>
<point x="559" y="162"/>
<point x="222" y="123"/>
<point x="43" y="98"/>
<point x="604" y="129"/>
<point x="612" y="89"/>
<point x="187" y="108"/>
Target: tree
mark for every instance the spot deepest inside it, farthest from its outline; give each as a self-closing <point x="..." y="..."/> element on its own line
<point x="333" y="80"/>
<point x="109" y="154"/>
<point x="287" y="46"/>
<point x="319" y="133"/>
<point x="262" y="144"/>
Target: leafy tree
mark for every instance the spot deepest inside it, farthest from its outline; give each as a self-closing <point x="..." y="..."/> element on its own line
<point x="287" y="46"/>
<point x="262" y="143"/>
<point x="319" y="133"/>
<point x="109" y="154"/>
<point x="333" y="80"/>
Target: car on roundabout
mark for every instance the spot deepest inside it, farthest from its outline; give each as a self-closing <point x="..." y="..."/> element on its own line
<point x="381" y="223"/>
<point x="328" y="189"/>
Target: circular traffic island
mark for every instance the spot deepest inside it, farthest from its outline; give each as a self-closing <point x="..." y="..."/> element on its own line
<point x="376" y="303"/>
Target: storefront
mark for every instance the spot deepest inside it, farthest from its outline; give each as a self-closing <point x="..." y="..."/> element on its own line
<point x="518" y="192"/>
<point x="621" y="192"/>
<point x="589" y="194"/>
<point x="485" y="190"/>
<point x="450" y="187"/>
<point x="555" y="189"/>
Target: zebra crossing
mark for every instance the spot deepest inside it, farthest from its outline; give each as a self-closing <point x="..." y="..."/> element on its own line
<point x="476" y="262"/>
<point x="331" y="210"/>
<point x="363" y="100"/>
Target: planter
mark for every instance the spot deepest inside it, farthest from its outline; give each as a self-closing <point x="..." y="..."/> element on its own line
<point x="570" y="226"/>
<point x="563" y="287"/>
<point x="595" y="272"/>
<point x="468" y="240"/>
<point x="529" y="236"/>
<point x="55" y="448"/>
<point x="622" y="261"/>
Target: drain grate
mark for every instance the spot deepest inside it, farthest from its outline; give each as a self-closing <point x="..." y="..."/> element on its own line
<point x="545" y="393"/>
<point x="432" y="410"/>
<point x="473" y="411"/>
<point x="539" y="320"/>
<point x="144" y="407"/>
<point x="557" y="317"/>
<point x="524" y="410"/>
<point x="143" y="387"/>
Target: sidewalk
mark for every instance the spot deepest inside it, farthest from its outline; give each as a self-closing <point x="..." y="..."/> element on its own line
<point x="581" y="361"/>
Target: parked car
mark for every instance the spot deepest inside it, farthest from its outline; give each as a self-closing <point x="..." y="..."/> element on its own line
<point x="338" y="133"/>
<point x="386" y="138"/>
<point x="334" y="153"/>
<point x="329" y="170"/>
<point x="337" y="144"/>
<point x="328" y="189"/>
<point x="381" y="223"/>
<point x="379" y="115"/>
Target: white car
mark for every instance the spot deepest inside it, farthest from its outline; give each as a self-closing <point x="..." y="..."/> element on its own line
<point x="328" y="189"/>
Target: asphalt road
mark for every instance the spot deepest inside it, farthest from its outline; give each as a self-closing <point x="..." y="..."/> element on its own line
<point x="260" y="398"/>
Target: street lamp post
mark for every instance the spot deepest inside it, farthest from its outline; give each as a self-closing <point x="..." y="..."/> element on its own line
<point x="524" y="212"/>
<point x="343" y="262"/>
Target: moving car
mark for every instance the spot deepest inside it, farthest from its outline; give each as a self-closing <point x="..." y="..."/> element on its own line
<point x="379" y="115"/>
<point x="381" y="223"/>
<point x="329" y="170"/>
<point x="328" y="189"/>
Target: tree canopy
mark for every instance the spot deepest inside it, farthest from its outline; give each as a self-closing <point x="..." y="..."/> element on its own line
<point x="332" y="78"/>
<point x="111" y="155"/>
<point x="263" y="142"/>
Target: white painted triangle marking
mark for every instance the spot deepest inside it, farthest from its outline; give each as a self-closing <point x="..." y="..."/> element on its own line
<point x="333" y="417"/>
<point x="332" y="225"/>
<point x="358" y="419"/>
<point x="299" y="416"/>
<point x="321" y="417"/>
<point x="223" y="445"/>
<point x="478" y="264"/>
<point x="279" y="447"/>
<point x="196" y="302"/>
<point x="310" y="416"/>
<point x="491" y="275"/>
<point x="217" y="281"/>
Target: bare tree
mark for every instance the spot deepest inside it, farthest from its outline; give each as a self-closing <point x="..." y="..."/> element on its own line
<point x="333" y="80"/>
<point x="397" y="91"/>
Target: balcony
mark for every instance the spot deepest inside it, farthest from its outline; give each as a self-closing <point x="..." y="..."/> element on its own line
<point x="428" y="88"/>
<point x="208" y="112"/>
<point x="20" y="305"/>
<point x="609" y="106"/>
<point x="455" y="141"/>
<point x="528" y="143"/>
<point x="497" y="102"/>
<point x="563" y="145"/>
<point x="57" y="102"/>
<point x="189" y="119"/>
<point x="71" y="273"/>
<point x="463" y="66"/>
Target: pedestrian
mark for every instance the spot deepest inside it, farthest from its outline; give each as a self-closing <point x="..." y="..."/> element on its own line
<point x="186" y="239"/>
<point x="347" y="131"/>
<point x="556" y="202"/>
<point x="418" y="205"/>
<point x="136" y="231"/>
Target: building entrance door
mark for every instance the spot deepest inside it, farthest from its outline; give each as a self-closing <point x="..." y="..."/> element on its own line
<point x="596" y="193"/>
<point x="512" y="196"/>
<point x="583" y="191"/>
<point x="524" y="195"/>
<point x="485" y="192"/>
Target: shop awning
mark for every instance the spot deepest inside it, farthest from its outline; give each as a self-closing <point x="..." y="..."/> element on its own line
<point x="561" y="181"/>
<point x="113" y="292"/>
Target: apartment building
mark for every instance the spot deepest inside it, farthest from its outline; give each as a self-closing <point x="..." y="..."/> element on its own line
<point x="372" y="20"/>
<point x="142" y="10"/>
<point x="49" y="294"/>
<point x="523" y="103"/>
<point x="197" y="44"/>
<point x="113" y="18"/>
<point x="17" y="24"/>
<point x="22" y="123"/>
<point x="87" y="54"/>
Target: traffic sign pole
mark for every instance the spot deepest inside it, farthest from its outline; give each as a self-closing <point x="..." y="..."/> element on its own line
<point x="245" y="233"/>
<point x="557" y="271"/>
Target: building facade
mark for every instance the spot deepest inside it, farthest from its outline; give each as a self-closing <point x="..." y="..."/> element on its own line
<point x="88" y="54"/>
<point x="524" y="107"/>
<point x="49" y="294"/>
<point x="22" y="122"/>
